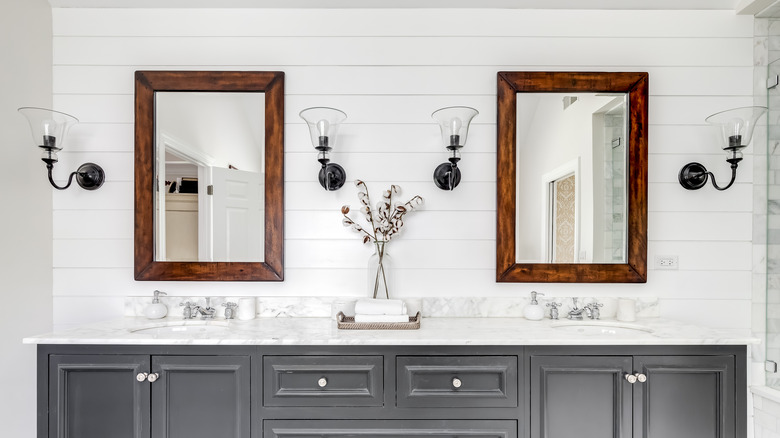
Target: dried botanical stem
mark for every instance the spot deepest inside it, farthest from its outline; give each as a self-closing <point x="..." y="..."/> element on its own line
<point x="381" y="268"/>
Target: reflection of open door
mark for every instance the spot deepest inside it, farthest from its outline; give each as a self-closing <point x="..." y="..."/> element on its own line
<point x="238" y="215"/>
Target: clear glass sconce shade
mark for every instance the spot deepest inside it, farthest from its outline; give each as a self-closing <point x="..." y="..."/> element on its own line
<point x="323" y="124"/>
<point x="48" y="127"/>
<point x="735" y="126"/>
<point x="454" y="122"/>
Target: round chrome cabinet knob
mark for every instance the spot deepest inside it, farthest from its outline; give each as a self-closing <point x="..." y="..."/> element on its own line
<point x="323" y="382"/>
<point x="153" y="377"/>
<point x="456" y="382"/>
<point x="641" y="378"/>
<point x="630" y="378"/>
<point x="141" y="376"/>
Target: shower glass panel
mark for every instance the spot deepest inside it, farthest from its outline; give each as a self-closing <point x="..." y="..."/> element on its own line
<point x="773" y="229"/>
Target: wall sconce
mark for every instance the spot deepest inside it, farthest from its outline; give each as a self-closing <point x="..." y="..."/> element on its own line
<point x="323" y="127"/>
<point x="49" y="129"/>
<point x="736" y="129"/>
<point x="454" y="122"/>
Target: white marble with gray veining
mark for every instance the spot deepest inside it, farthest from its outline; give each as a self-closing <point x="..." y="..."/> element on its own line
<point x="430" y="307"/>
<point x="433" y="331"/>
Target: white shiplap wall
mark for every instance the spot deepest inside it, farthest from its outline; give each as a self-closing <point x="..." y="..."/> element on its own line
<point x="388" y="70"/>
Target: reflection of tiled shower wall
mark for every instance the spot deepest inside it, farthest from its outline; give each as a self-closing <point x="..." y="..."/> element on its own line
<point x="614" y="169"/>
<point x="772" y="211"/>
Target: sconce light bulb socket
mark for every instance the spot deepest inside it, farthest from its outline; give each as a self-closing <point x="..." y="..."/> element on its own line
<point x="454" y="141"/>
<point x="332" y="176"/>
<point x="323" y="142"/>
<point x="447" y="175"/>
<point x="735" y="141"/>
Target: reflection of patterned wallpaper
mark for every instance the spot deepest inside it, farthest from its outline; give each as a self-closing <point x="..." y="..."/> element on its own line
<point x="564" y="220"/>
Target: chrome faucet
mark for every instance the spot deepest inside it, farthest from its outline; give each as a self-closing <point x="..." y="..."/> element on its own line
<point x="576" y="313"/>
<point x="207" y="312"/>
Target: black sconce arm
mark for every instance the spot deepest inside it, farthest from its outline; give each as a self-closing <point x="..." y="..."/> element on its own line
<point x="694" y="176"/>
<point x="89" y="176"/>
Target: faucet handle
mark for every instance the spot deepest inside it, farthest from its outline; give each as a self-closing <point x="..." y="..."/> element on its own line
<point x="230" y="309"/>
<point x="553" y="309"/>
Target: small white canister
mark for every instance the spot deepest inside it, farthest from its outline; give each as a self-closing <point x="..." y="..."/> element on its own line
<point x="247" y="308"/>
<point x="626" y="310"/>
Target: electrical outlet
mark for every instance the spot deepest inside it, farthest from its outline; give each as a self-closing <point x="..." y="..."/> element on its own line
<point x="666" y="262"/>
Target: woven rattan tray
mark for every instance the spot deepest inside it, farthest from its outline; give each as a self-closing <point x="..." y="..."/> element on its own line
<point x="348" y="323"/>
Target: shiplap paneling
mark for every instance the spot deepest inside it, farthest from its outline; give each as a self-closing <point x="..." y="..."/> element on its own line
<point x="389" y="22"/>
<point x="389" y="69"/>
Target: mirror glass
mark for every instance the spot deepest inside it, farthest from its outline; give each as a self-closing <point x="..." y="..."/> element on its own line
<point x="571" y="179"/>
<point x="210" y="173"/>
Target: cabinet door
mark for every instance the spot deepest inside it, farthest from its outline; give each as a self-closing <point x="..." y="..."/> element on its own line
<point x="685" y="396"/>
<point x="580" y="396"/>
<point x="201" y="396"/>
<point x="98" y="396"/>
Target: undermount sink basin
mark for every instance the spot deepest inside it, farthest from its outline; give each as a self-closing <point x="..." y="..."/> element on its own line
<point x="601" y="328"/>
<point x="188" y="328"/>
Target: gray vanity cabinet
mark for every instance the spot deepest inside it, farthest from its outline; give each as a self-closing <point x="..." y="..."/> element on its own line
<point x="598" y="396"/>
<point x="147" y="396"/>
<point x="96" y="396"/>
<point x="686" y="396"/>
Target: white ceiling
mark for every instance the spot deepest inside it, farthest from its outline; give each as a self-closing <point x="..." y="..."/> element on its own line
<point x="502" y="4"/>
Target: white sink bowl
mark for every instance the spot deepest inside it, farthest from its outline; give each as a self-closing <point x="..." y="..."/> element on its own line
<point x="183" y="329"/>
<point x="601" y="328"/>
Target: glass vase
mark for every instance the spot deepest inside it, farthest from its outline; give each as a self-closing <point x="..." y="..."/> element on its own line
<point x="380" y="270"/>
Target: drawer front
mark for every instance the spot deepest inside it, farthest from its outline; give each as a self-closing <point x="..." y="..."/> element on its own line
<point x="322" y="381"/>
<point x="457" y="381"/>
<point x="390" y="429"/>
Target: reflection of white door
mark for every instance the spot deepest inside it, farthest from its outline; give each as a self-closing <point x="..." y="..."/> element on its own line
<point x="238" y="215"/>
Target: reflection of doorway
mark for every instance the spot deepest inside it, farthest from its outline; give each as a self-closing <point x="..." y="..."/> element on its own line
<point x="186" y="234"/>
<point x="563" y="216"/>
<point x="561" y="210"/>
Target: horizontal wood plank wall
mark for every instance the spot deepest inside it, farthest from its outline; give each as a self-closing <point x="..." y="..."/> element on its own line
<point x="388" y="70"/>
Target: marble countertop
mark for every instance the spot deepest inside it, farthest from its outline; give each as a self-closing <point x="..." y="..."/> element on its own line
<point x="433" y="331"/>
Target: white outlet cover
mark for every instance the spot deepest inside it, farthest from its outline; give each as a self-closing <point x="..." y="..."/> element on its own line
<point x="666" y="262"/>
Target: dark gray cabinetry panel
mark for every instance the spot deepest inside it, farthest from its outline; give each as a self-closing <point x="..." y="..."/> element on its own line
<point x="96" y="396"/>
<point x="580" y="396"/>
<point x="685" y="396"/>
<point x="392" y="391"/>
<point x="322" y="380"/>
<point x="201" y="396"/>
<point x="457" y="381"/>
<point x="390" y="429"/>
<point x="99" y="395"/>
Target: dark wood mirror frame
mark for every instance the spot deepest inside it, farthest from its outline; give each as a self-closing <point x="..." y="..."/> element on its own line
<point x="509" y="85"/>
<point x="270" y="83"/>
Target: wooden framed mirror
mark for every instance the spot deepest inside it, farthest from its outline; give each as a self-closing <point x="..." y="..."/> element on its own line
<point x="572" y="177"/>
<point x="209" y="175"/>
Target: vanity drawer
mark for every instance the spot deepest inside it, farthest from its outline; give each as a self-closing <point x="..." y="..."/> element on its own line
<point x="322" y="381"/>
<point x="457" y="381"/>
<point x="390" y="429"/>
